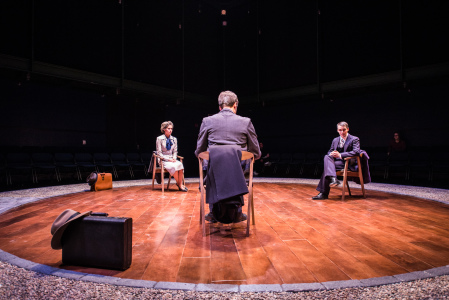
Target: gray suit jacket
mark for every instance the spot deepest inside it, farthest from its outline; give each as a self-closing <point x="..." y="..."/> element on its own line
<point x="227" y="128"/>
<point x="162" y="150"/>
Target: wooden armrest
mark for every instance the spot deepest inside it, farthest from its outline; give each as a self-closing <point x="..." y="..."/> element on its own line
<point x="158" y="156"/>
<point x="180" y="157"/>
<point x="355" y="156"/>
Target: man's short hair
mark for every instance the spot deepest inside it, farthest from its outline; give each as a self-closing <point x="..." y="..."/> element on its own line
<point x="227" y="99"/>
<point x="343" y="124"/>
<point x="165" y="124"/>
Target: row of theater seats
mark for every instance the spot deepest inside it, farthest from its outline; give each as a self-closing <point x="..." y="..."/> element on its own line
<point x="425" y="166"/>
<point x="418" y="167"/>
<point x="23" y="167"/>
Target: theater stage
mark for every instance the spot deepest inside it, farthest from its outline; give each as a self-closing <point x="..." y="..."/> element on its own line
<point x="295" y="239"/>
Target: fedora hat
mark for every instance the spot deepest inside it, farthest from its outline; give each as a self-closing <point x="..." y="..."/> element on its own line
<point x="61" y="223"/>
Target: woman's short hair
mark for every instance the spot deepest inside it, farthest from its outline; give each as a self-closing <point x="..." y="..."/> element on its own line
<point x="343" y="124"/>
<point x="165" y="124"/>
<point x="227" y="98"/>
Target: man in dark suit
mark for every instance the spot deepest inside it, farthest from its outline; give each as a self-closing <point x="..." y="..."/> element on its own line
<point x="227" y="128"/>
<point x="345" y="145"/>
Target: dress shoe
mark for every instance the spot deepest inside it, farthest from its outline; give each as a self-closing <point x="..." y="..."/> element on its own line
<point x="243" y="217"/>
<point x="183" y="189"/>
<point x="320" y="196"/>
<point x="334" y="181"/>
<point x="210" y="218"/>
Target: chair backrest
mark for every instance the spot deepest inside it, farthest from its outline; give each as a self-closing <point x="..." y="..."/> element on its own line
<point x="146" y="157"/>
<point x="245" y="156"/>
<point x="274" y="157"/>
<point x="354" y="172"/>
<point x="64" y="157"/>
<point x="42" y="158"/>
<point x="2" y="161"/>
<point x="18" y="159"/>
<point x="102" y="157"/>
<point x="313" y="157"/>
<point x="118" y="157"/>
<point x="298" y="157"/>
<point x="84" y="157"/>
<point x="285" y="157"/>
<point x="134" y="157"/>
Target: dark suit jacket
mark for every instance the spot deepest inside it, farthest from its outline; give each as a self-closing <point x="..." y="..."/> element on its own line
<point x="227" y="128"/>
<point x="225" y="177"/>
<point x="351" y="147"/>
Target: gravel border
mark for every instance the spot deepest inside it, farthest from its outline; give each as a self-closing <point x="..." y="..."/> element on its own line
<point x="12" y="199"/>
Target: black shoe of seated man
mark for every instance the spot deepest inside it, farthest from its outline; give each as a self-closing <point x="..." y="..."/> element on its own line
<point x="243" y="217"/>
<point x="320" y="196"/>
<point x="334" y="181"/>
<point x="210" y="218"/>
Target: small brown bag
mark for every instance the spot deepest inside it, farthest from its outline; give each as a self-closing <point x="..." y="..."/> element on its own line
<point x="100" y="181"/>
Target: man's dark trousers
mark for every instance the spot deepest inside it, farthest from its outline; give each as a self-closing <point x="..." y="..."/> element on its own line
<point x="331" y="165"/>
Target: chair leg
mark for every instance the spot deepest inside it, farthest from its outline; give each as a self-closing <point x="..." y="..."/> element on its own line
<point x="58" y="177"/>
<point x="347" y="185"/>
<point x="152" y="185"/>
<point x="345" y="181"/>
<point x="34" y="176"/>
<point x="248" y="216"/>
<point x="343" y="190"/>
<point x="202" y="213"/>
<point x="162" y="180"/>
<point x="78" y="173"/>
<point x="252" y="210"/>
<point x="168" y="184"/>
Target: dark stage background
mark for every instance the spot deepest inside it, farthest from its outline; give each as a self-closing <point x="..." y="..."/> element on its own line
<point x="109" y="72"/>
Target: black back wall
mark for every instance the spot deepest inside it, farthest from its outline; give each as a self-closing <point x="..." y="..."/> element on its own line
<point x="183" y="46"/>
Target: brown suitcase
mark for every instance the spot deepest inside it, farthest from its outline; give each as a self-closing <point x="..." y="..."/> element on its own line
<point x="98" y="241"/>
<point x="104" y="182"/>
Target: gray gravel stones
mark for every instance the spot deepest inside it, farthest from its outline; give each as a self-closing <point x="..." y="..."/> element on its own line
<point x="18" y="283"/>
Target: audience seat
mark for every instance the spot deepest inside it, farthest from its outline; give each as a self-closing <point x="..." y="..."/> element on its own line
<point x="65" y="164"/>
<point x="378" y="163"/>
<point x="85" y="163"/>
<point x="136" y="162"/>
<point x="44" y="163"/>
<point x="283" y="164"/>
<point x="297" y="163"/>
<point x="19" y="165"/>
<point x="104" y="163"/>
<point x="120" y="162"/>
<point x="312" y="162"/>
<point x="399" y="165"/>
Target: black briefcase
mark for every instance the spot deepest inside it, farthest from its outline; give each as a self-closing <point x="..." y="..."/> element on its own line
<point x="98" y="241"/>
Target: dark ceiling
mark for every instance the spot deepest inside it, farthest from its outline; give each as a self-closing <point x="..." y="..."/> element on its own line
<point x="264" y="47"/>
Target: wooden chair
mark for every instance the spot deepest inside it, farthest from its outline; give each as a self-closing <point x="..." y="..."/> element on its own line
<point x="347" y="173"/>
<point x="245" y="156"/>
<point x="160" y="169"/>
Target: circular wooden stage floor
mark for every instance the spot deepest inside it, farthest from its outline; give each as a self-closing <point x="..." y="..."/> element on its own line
<point x="295" y="239"/>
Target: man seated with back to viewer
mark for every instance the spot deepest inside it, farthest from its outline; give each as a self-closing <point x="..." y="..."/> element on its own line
<point x="345" y="145"/>
<point x="227" y="128"/>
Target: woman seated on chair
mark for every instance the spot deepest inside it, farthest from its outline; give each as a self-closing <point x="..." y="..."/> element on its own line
<point x="167" y="148"/>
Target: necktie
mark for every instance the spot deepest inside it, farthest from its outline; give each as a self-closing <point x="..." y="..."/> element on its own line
<point x="168" y="144"/>
<point x="342" y="142"/>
